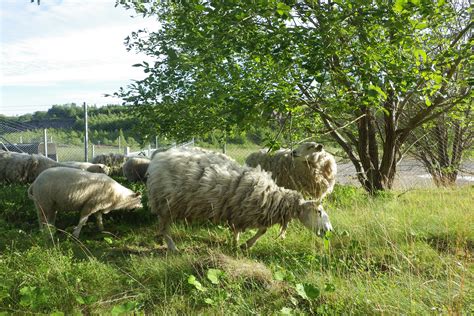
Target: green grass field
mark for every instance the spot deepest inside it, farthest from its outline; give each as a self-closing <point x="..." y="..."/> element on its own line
<point x="408" y="253"/>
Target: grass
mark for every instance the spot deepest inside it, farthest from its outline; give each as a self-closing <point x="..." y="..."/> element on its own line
<point x="408" y="253"/>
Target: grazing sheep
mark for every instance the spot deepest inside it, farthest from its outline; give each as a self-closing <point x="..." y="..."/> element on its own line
<point x="87" y="166"/>
<point x="134" y="169"/>
<point x="113" y="161"/>
<point x="308" y="169"/>
<point x="22" y="168"/>
<point x="196" y="184"/>
<point x="63" y="189"/>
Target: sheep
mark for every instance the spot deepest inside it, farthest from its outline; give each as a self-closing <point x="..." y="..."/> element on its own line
<point x="308" y="169"/>
<point x="196" y="184"/>
<point x="63" y="189"/>
<point x="113" y="161"/>
<point x="22" y="168"/>
<point x="87" y="166"/>
<point x="135" y="168"/>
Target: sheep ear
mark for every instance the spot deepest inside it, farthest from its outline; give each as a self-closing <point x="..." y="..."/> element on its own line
<point x="319" y="147"/>
<point x="137" y="194"/>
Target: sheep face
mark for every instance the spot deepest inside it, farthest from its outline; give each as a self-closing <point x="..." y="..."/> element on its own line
<point x="313" y="217"/>
<point x="306" y="149"/>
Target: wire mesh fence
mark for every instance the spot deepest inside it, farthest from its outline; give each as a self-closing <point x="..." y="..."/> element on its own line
<point x="23" y="137"/>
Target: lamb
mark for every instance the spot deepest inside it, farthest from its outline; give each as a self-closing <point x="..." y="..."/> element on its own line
<point x="135" y="168"/>
<point x="308" y="169"/>
<point x="63" y="189"/>
<point x="113" y="161"/>
<point x="195" y="184"/>
<point x="22" y="168"/>
<point x="87" y="166"/>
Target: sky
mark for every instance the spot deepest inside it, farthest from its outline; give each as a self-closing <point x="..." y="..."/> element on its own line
<point x="65" y="51"/>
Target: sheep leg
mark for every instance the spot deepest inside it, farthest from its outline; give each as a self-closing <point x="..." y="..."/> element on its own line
<point x="165" y="233"/>
<point x="236" y="238"/>
<point x="251" y="241"/>
<point x="45" y="215"/>
<point x="100" y="223"/>
<point x="82" y="221"/>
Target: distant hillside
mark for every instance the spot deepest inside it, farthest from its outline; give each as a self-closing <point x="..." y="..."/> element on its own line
<point x="105" y="123"/>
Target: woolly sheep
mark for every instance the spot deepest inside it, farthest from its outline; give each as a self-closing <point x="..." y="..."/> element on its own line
<point x="87" y="166"/>
<point x="308" y="169"/>
<point x="135" y="168"/>
<point x="113" y="161"/>
<point x="196" y="184"/>
<point x="63" y="189"/>
<point x="22" y="168"/>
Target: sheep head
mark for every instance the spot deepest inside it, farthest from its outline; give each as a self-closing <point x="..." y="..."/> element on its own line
<point x="313" y="217"/>
<point x="306" y="149"/>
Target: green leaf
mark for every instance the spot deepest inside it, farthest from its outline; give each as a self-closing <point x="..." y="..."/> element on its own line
<point x="420" y="53"/>
<point x="399" y="6"/>
<point x="378" y="90"/>
<point x="279" y="275"/>
<point x="307" y="291"/>
<point x="80" y="300"/>
<point x="210" y="301"/>
<point x="286" y="311"/>
<point x="124" y="308"/>
<point x="56" y="313"/>
<point x="427" y="101"/>
<point x="213" y="275"/>
<point x="108" y="240"/>
<point x="329" y="287"/>
<point x="283" y="9"/>
<point x="194" y="282"/>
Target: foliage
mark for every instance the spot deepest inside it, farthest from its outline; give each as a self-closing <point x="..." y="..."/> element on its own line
<point x="370" y="72"/>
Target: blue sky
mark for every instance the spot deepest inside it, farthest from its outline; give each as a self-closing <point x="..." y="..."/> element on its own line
<point x="65" y="51"/>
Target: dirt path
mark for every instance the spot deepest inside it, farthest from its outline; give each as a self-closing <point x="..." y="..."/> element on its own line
<point x="411" y="174"/>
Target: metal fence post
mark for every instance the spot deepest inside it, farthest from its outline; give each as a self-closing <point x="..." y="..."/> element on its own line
<point x="45" y="140"/>
<point x="86" y="135"/>
<point x="93" y="150"/>
<point x="127" y="151"/>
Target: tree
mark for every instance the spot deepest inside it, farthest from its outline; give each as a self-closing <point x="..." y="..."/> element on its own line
<point x="372" y="71"/>
<point x="440" y="145"/>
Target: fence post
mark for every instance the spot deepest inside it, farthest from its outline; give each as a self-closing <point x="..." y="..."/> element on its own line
<point x="93" y="150"/>
<point x="86" y="135"/>
<point x="224" y="148"/>
<point x="149" y="150"/>
<point x="45" y="140"/>
<point x="127" y="151"/>
<point x="119" y="138"/>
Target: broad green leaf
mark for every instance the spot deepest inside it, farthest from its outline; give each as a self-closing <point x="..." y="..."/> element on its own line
<point x="307" y="291"/>
<point x="194" y="282"/>
<point x="213" y="275"/>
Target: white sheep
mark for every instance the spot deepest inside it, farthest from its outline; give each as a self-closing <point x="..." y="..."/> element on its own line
<point x="22" y="168"/>
<point x="135" y="168"/>
<point x="87" y="166"/>
<point x="113" y="161"/>
<point x="196" y="184"/>
<point x="68" y="189"/>
<point x="308" y="169"/>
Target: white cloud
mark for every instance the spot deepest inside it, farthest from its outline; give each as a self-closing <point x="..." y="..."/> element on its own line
<point x="60" y="42"/>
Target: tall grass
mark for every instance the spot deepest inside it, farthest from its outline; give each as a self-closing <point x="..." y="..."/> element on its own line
<point x="409" y="253"/>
